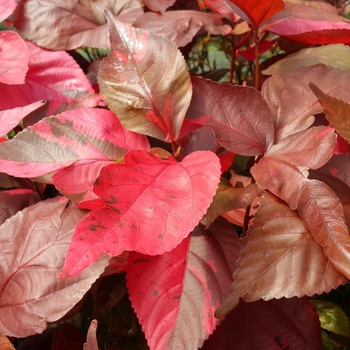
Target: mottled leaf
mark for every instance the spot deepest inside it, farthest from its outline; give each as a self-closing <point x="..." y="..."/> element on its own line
<point x="332" y="317"/>
<point x="151" y="205"/>
<point x="183" y="288"/>
<point x="14" y="58"/>
<point x="336" y="56"/>
<point x="280" y="258"/>
<point x="281" y="91"/>
<point x="181" y="26"/>
<point x="11" y="117"/>
<point x="229" y="198"/>
<point x="52" y="76"/>
<point x="269" y="325"/>
<point x="91" y="340"/>
<point x="145" y="81"/>
<point x="337" y="112"/>
<point x="67" y="24"/>
<point x="238" y="116"/>
<point x="83" y="135"/>
<point x="33" y="245"/>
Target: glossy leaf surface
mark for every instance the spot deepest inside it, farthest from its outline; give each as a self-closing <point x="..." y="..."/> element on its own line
<point x="145" y="81"/>
<point x="151" y="205"/>
<point x="41" y="233"/>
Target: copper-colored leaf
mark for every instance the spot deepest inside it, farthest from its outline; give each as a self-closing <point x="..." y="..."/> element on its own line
<point x="145" y="81"/>
<point x="33" y="246"/>
<point x="337" y="111"/>
<point x="5" y="344"/>
<point x="69" y="24"/>
<point x="280" y="258"/>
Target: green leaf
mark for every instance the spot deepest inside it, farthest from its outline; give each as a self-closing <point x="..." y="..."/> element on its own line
<point x="332" y="317"/>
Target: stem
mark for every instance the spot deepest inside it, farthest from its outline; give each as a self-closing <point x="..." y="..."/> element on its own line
<point x="233" y="63"/>
<point x="257" y="56"/>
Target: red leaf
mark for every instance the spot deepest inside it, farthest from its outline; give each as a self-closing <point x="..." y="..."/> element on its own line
<point x="14" y="58"/>
<point x="151" y="205"/>
<point x="339" y="167"/>
<point x="175" y="294"/>
<point x="67" y="337"/>
<point x="239" y="116"/>
<point x="67" y="25"/>
<point x="280" y="258"/>
<point x="312" y="24"/>
<point x="91" y="340"/>
<point x="12" y="201"/>
<point x="11" y="117"/>
<point x="181" y="26"/>
<point x="6" y="8"/>
<point x="256" y="12"/>
<point x="33" y="245"/>
<point x="51" y="76"/>
<point x="145" y="81"/>
<point x="250" y="52"/>
<point x="79" y="136"/>
<point x="159" y="5"/>
<point x="258" y="325"/>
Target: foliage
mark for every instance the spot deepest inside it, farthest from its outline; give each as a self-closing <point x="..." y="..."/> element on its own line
<point x="187" y="160"/>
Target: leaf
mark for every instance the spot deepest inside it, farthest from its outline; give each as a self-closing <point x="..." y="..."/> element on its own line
<point x="336" y="110"/>
<point x="339" y="167"/>
<point x="307" y="23"/>
<point x="335" y="56"/>
<point x="326" y="222"/>
<point x="6" y="8"/>
<point x="14" y="58"/>
<point x="11" y="117"/>
<point x="83" y="135"/>
<point x="91" y="341"/>
<point x="159" y="5"/>
<point x="5" y="343"/>
<point x="151" y="205"/>
<point x="175" y="294"/>
<point x="224" y="7"/>
<point x="33" y="245"/>
<point x="145" y="81"/>
<point x="229" y="198"/>
<point x="310" y="148"/>
<point x="282" y="90"/>
<point x="52" y="76"/>
<point x="279" y="258"/>
<point x="12" y="201"/>
<point x="332" y="317"/>
<point x="180" y="27"/>
<point x="67" y="25"/>
<point x="238" y="116"/>
<point x="256" y="12"/>
<point x="66" y="336"/>
<point x="292" y="322"/>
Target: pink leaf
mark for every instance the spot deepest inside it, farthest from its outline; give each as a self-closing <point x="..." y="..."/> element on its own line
<point x="51" y="76"/>
<point x="257" y="325"/>
<point x="84" y="135"/>
<point x="91" y="340"/>
<point x="33" y="245"/>
<point x="175" y="294"/>
<point x="145" y="81"/>
<point x="6" y="8"/>
<point x="239" y="116"/>
<point x="181" y="26"/>
<point x="159" y="5"/>
<point x="14" y="58"/>
<point x="151" y="205"/>
<point x="224" y="7"/>
<point x="11" y="117"/>
<point x="67" y="25"/>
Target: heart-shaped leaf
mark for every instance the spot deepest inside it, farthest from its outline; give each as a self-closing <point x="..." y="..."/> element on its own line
<point x="145" y="81"/>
